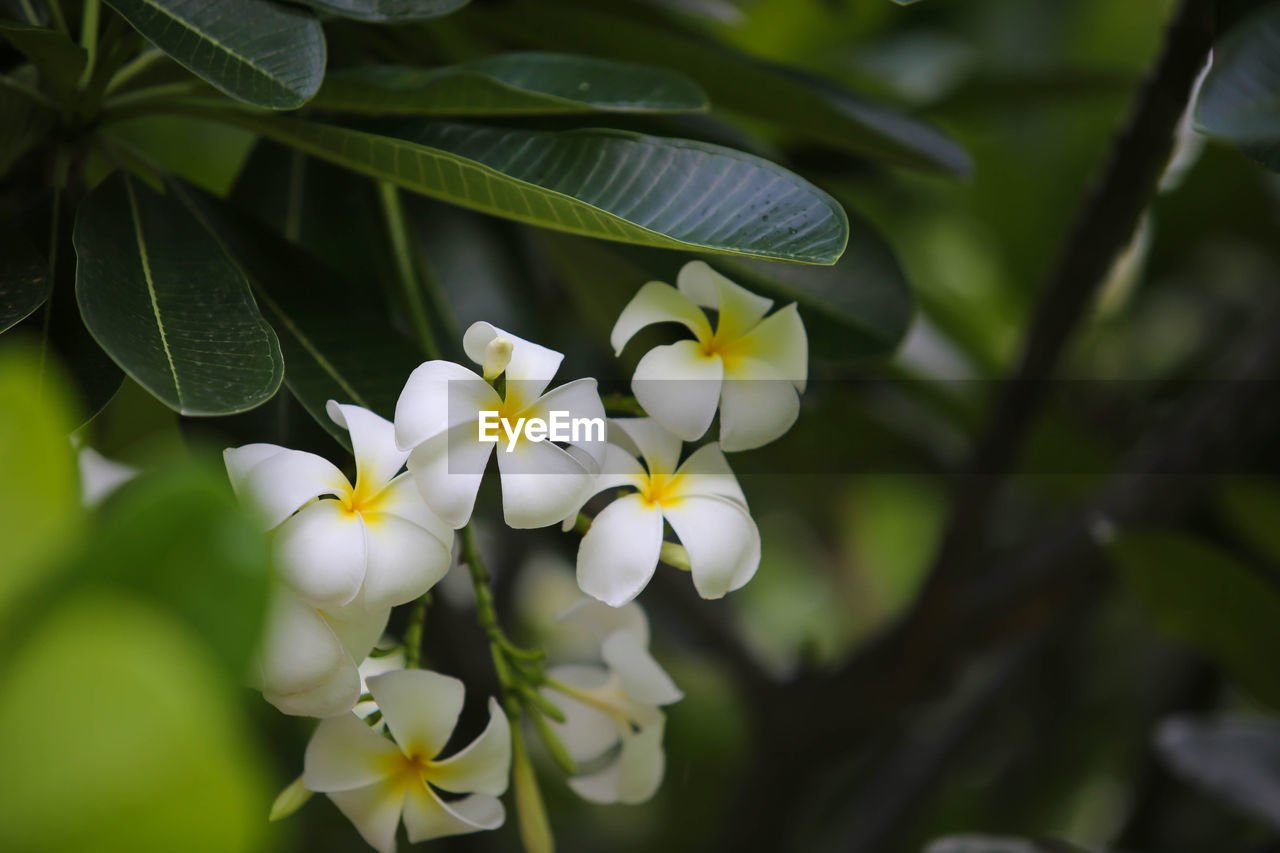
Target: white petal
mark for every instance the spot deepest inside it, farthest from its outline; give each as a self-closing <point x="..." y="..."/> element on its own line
<point x="641" y="764"/>
<point x="344" y="753"/>
<point x="779" y="341"/>
<point x="642" y="678"/>
<point x="437" y="396"/>
<point x="679" y="387"/>
<point x="541" y="484"/>
<point x="302" y="665"/>
<point x="579" y="399"/>
<point x="604" y="620"/>
<point x="401" y="497"/>
<point x="756" y="411"/>
<point x="659" y="446"/>
<point x="357" y="626"/>
<point x="722" y="541"/>
<point x="404" y="560"/>
<point x="100" y="476"/>
<point x="586" y="732"/>
<point x="707" y="472"/>
<point x="618" y="468"/>
<point x="447" y="469"/>
<point x="619" y="552"/>
<point x="739" y="309"/>
<point x="531" y="367"/>
<point x="657" y="302"/>
<point x="279" y="482"/>
<point x="420" y="707"/>
<point x="375" y="810"/>
<point x="484" y="765"/>
<point x="426" y="816"/>
<point x="373" y="440"/>
<point x="320" y="553"/>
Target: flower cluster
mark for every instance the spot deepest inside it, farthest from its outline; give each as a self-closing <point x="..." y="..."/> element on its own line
<point x="349" y="551"/>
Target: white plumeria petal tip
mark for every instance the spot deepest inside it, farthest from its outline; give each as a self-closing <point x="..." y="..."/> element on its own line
<point x="643" y="679"/>
<point x="619" y="552"/>
<point x="484" y="765"/>
<point x="421" y="708"/>
<point x="657" y="302"/>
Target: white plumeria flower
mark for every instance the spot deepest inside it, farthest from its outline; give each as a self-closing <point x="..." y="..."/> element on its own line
<point x="700" y="499"/>
<point x="751" y="367"/>
<point x="376" y="539"/>
<point x="614" y="706"/>
<point x="100" y="476"/>
<point x="307" y="660"/>
<point x="438" y="417"/>
<point x="374" y="781"/>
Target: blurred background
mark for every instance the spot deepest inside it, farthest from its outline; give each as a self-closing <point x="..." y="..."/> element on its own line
<point x="1023" y="610"/>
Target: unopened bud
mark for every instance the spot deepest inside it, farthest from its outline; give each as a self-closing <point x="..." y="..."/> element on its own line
<point x="291" y="799"/>
<point x="497" y="355"/>
<point x="675" y="555"/>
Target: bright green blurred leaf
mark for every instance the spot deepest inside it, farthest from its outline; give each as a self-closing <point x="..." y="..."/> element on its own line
<point x="59" y="59"/>
<point x="1240" y="98"/>
<point x="178" y="536"/>
<point x="40" y="510"/>
<point x="24" y="279"/>
<point x="334" y="337"/>
<point x="512" y="84"/>
<point x="695" y="196"/>
<point x="205" y="153"/>
<point x="121" y="735"/>
<point x="389" y="10"/>
<point x="161" y="297"/>
<point x="1196" y="593"/>
<point x="795" y="101"/>
<point x="268" y="54"/>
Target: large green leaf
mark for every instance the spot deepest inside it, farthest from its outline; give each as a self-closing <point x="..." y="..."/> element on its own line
<point x="859" y="308"/>
<point x="59" y="59"/>
<point x="389" y="10"/>
<point x="25" y="120"/>
<point x="609" y="184"/>
<point x="266" y="53"/>
<point x="165" y="302"/>
<point x="797" y="102"/>
<point x="1240" y="98"/>
<point x="1205" y="597"/>
<point x="334" y="335"/>
<point x="512" y="84"/>
<point x="1251" y="506"/>
<point x="24" y="278"/>
<point x="208" y="154"/>
<point x="1237" y="759"/>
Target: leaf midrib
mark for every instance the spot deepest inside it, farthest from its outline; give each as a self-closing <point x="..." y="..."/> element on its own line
<point x="151" y="287"/>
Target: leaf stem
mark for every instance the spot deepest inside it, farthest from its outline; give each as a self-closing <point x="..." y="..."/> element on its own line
<point x="23" y="89"/>
<point x="623" y="404"/>
<point x="133" y="68"/>
<point x="89" y="37"/>
<point x="398" y="231"/>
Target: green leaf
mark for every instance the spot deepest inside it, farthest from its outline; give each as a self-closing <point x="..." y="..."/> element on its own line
<point x="126" y="737"/>
<point x="1240" y="98"/>
<point x="1203" y="596"/>
<point x="58" y="59"/>
<point x="609" y="184"/>
<point x="796" y="101"/>
<point x="26" y="121"/>
<point x="40" y="503"/>
<point x="389" y="10"/>
<point x="165" y="302"/>
<point x="179" y="538"/>
<point x="858" y="308"/>
<point x="265" y="53"/>
<point x="206" y="153"/>
<point x="24" y="278"/>
<point x="1237" y="759"/>
<point x="1251" y="505"/>
<point x="335" y="337"/>
<point x="512" y="84"/>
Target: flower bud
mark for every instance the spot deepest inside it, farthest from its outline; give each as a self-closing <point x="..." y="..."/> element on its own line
<point x="497" y="355"/>
<point x="535" y="830"/>
<point x="291" y="799"/>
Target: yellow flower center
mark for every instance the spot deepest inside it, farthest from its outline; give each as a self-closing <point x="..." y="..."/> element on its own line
<point x="361" y="499"/>
<point x="730" y="350"/>
<point x="661" y="489"/>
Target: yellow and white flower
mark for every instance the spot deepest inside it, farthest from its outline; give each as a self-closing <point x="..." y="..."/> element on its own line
<point x="751" y="367"/>
<point x="700" y="499"/>
<point x="376" y="782"/>
<point x="375" y="540"/>
<point x="613" y="724"/>
<point x="438" y="418"/>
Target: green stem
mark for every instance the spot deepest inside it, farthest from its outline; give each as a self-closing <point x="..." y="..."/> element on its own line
<point x="413" y="632"/>
<point x="89" y="37"/>
<point x="587" y="699"/>
<point x="133" y="68"/>
<point x="623" y="404"/>
<point x="27" y="91"/>
<point x="409" y="285"/>
<point x="30" y="12"/>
